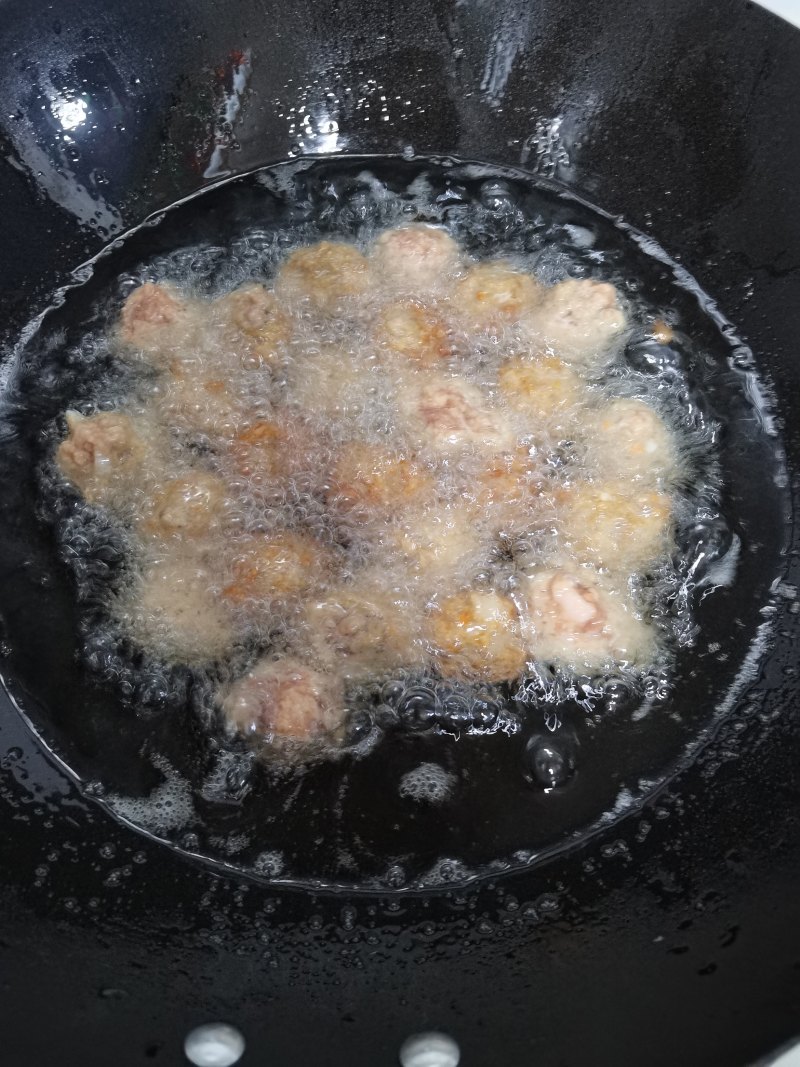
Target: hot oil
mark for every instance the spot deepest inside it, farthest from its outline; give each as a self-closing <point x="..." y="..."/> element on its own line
<point x="337" y="390"/>
<point x="334" y="384"/>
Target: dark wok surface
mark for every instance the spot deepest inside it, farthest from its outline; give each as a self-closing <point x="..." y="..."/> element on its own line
<point x="676" y="937"/>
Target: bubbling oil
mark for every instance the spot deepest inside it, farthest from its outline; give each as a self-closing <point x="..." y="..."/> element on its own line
<point x="254" y="437"/>
<point x="377" y="450"/>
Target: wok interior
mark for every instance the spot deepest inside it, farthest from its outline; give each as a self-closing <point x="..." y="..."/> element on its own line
<point x="350" y="821"/>
<point x="681" y="117"/>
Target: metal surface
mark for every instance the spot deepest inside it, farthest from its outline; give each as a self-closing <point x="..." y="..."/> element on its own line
<point x="675" y="937"/>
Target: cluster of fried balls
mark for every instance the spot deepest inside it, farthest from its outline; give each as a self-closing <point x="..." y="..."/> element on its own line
<point x="390" y="459"/>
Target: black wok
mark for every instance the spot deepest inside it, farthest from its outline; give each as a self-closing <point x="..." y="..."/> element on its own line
<point x="673" y="936"/>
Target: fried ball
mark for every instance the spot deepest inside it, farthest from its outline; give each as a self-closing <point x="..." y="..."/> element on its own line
<point x="100" y="452"/>
<point x="415" y="332"/>
<point x="439" y="543"/>
<point x="615" y="525"/>
<point x="154" y="317"/>
<point x="174" y="611"/>
<point x="253" y="311"/>
<point x="285" y="699"/>
<point x="452" y="416"/>
<point x="477" y="635"/>
<point x="249" y="308"/>
<point x="416" y="258"/>
<point x="573" y="620"/>
<point x="578" y="319"/>
<point x="192" y="401"/>
<point x="494" y="294"/>
<point x="277" y="567"/>
<point x="328" y="275"/>
<point x="364" y="627"/>
<point x="504" y="492"/>
<point x="631" y="440"/>
<point x="368" y="481"/>
<point x="335" y="383"/>
<point x="278" y="456"/>
<point x="260" y="453"/>
<point x="186" y="507"/>
<point x="543" y="389"/>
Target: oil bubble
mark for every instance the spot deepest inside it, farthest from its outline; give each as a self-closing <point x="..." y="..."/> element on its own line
<point x="549" y="761"/>
<point x="430" y="1050"/>
<point x="428" y="783"/>
<point x="214" y="1045"/>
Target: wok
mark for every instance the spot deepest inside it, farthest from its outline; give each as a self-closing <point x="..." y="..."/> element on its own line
<point x="672" y="936"/>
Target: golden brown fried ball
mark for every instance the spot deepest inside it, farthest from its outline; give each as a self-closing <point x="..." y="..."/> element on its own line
<point x="335" y="383"/>
<point x="285" y="699"/>
<point x="329" y="275"/>
<point x="153" y="317"/>
<point x="364" y="627"/>
<point x="451" y="416"/>
<point x="615" y="524"/>
<point x="574" y="620"/>
<point x="259" y="452"/>
<point x="439" y="543"/>
<point x="254" y="312"/>
<point x="193" y="401"/>
<point x="189" y="506"/>
<point x="100" y="452"/>
<point x="174" y="611"/>
<point x="476" y="634"/>
<point x="278" y="455"/>
<point x="629" y="439"/>
<point x="417" y="258"/>
<point x="578" y="319"/>
<point x="368" y="481"/>
<point x="504" y="492"/>
<point x="495" y="294"/>
<point x="543" y="389"/>
<point x="278" y="566"/>
<point x="414" y="331"/>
